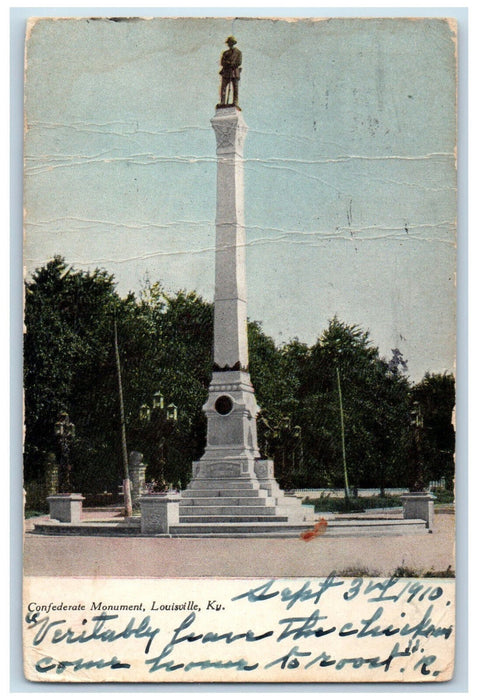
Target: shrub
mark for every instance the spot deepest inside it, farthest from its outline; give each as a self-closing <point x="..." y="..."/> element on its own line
<point x="353" y="505"/>
<point x="444" y="496"/>
<point x="35" y="499"/>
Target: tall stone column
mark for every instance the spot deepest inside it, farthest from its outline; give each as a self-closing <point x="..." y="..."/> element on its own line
<point x="232" y="489"/>
<point x="231" y="408"/>
<point x="230" y="304"/>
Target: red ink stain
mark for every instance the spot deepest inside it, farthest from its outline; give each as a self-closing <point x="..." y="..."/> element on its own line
<point x="319" y="528"/>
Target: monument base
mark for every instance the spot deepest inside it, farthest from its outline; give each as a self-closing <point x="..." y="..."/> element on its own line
<point x="240" y="496"/>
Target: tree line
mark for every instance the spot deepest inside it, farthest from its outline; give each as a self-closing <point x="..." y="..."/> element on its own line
<point x="334" y="408"/>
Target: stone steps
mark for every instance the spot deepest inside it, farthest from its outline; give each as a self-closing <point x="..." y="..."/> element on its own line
<point x="226" y="510"/>
<point x="219" y="483"/>
<point x="223" y="493"/>
<point x="233" y="519"/>
<point x="202" y="529"/>
<point x="201" y="501"/>
<point x="375" y="527"/>
<point x="255" y="507"/>
<point x="336" y="528"/>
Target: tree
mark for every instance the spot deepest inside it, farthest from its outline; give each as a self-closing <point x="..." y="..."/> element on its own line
<point x="165" y="343"/>
<point x="180" y="328"/>
<point x="301" y="421"/>
<point x="275" y="377"/>
<point x="434" y="398"/>
<point x="374" y="402"/>
<point x="66" y="349"/>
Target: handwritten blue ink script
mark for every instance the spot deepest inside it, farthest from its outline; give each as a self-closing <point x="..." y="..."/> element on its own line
<point x="329" y="629"/>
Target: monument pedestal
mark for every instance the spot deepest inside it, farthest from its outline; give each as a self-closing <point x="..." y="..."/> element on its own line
<point x="419" y="505"/>
<point x="66" y="507"/>
<point x="231" y="411"/>
<point x="159" y="513"/>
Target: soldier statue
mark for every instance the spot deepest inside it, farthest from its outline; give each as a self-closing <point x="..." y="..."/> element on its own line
<point x="231" y="61"/>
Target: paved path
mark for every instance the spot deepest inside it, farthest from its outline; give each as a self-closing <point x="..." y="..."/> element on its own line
<point x="163" y="557"/>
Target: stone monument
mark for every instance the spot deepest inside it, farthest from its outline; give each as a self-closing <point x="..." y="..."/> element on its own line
<point x="231" y="483"/>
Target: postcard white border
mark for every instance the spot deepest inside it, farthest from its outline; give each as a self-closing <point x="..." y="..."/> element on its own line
<point x="18" y="18"/>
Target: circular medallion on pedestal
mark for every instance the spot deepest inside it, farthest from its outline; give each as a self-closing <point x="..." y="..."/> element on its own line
<point x="223" y="405"/>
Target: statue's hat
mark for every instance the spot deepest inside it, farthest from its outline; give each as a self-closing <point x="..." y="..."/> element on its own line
<point x="230" y="40"/>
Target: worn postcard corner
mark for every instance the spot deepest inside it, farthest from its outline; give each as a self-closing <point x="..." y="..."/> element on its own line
<point x="239" y="351"/>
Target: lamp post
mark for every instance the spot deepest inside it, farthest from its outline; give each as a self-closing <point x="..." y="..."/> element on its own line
<point x="339" y="348"/>
<point x="417" y="423"/>
<point x="160" y="416"/>
<point x="297" y="434"/>
<point x="65" y="432"/>
<point x="128" y="504"/>
<point x="342" y="435"/>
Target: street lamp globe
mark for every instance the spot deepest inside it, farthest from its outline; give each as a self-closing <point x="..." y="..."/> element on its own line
<point x="158" y="400"/>
<point x="144" y="412"/>
<point x="172" y="412"/>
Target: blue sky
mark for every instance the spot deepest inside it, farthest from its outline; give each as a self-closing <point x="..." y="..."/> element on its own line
<point x="349" y="167"/>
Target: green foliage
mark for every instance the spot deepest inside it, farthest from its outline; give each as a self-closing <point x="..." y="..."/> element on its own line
<point x="359" y="504"/>
<point x="444" y="496"/>
<point x="35" y="499"/>
<point x="65" y="351"/>
<point x="165" y="343"/>
<point x="300" y="404"/>
<point x="435" y="398"/>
